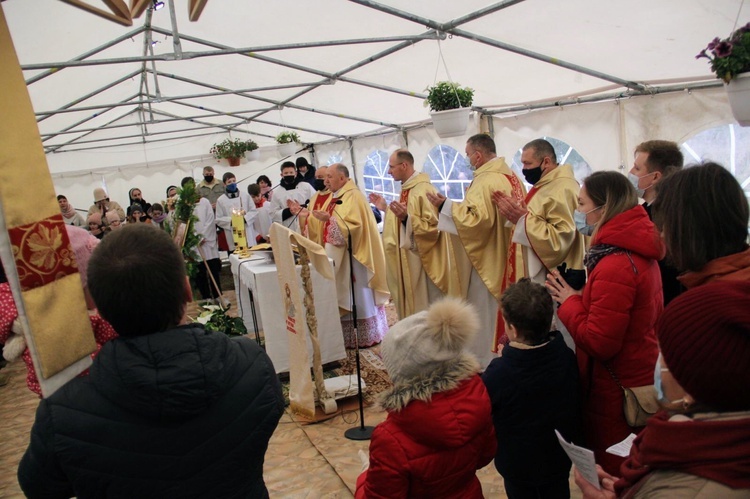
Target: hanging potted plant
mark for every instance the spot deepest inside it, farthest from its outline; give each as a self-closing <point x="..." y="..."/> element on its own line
<point x="252" y="153"/>
<point x="450" y="105"/>
<point x="287" y="143"/>
<point x="231" y="150"/>
<point x="730" y="60"/>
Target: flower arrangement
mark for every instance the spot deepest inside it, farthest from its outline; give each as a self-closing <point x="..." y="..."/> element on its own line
<point x="231" y="148"/>
<point x="287" y="137"/>
<point x="215" y="318"/>
<point x="730" y="56"/>
<point x="448" y="95"/>
<point x="250" y="145"/>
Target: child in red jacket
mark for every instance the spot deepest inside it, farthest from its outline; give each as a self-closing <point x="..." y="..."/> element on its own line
<point x="439" y="427"/>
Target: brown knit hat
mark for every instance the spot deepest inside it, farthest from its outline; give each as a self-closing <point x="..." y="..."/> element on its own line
<point x="704" y="336"/>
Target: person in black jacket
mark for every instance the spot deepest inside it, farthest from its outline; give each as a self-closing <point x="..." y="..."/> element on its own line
<point x="533" y="388"/>
<point x="169" y="409"/>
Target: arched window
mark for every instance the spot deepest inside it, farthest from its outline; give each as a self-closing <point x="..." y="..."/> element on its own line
<point x="449" y="171"/>
<point x="728" y="145"/>
<point x="566" y="154"/>
<point x="376" y="176"/>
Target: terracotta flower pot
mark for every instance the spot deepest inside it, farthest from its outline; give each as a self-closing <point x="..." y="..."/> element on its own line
<point x="233" y="161"/>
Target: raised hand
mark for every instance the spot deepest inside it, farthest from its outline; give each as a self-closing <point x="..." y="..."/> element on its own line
<point x="508" y="207"/>
<point x="436" y="198"/>
<point x="378" y="201"/>
<point x="399" y="209"/>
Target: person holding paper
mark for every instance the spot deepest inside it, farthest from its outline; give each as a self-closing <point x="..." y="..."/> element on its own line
<point x="698" y="446"/>
<point x="536" y="361"/>
<point x="612" y="319"/>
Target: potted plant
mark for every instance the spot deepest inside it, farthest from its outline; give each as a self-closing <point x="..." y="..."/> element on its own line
<point x="450" y="105"/>
<point x="251" y="152"/>
<point x="730" y="60"/>
<point x="215" y="318"/>
<point x="287" y="142"/>
<point x="231" y="150"/>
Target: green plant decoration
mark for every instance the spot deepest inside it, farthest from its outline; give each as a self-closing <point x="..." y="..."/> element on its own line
<point x="250" y="145"/>
<point x="231" y="148"/>
<point x="287" y="137"/>
<point x="183" y="215"/>
<point x="446" y="95"/>
<point x="215" y="318"/>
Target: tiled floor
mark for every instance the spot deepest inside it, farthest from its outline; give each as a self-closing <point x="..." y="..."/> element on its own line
<point x="303" y="461"/>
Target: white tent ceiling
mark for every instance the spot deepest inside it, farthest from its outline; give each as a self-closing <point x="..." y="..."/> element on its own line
<point x="335" y="69"/>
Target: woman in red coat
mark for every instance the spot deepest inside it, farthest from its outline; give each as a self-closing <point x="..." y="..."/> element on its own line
<point x="439" y="428"/>
<point x="612" y="319"/>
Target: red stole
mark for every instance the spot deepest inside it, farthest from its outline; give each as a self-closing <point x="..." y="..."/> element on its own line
<point x="510" y="272"/>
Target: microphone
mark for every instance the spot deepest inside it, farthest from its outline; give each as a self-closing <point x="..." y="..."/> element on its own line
<point x="303" y="205"/>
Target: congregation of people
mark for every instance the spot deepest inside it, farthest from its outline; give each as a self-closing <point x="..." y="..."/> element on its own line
<point x="521" y="312"/>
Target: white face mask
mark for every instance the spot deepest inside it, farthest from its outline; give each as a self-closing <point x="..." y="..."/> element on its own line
<point x="580" y="220"/>
<point x="635" y="180"/>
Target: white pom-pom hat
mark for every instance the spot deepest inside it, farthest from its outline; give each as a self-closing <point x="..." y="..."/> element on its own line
<point x="422" y="342"/>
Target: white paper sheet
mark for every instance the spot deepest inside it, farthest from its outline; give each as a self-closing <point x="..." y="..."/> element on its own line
<point x="622" y="449"/>
<point x="583" y="459"/>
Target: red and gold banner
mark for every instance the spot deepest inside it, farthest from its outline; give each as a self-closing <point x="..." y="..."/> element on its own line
<point x="46" y="286"/>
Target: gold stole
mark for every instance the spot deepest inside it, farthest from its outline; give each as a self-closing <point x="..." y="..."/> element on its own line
<point x="481" y="227"/>
<point x="433" y="248"/>
<point x="47" y="288"/>
<point x="367" y="245"/>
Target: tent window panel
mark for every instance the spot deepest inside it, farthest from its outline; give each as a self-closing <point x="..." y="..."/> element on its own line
<point x="728" y="145"/>
<point x="377" y="179"/>
<point x="449" y="171"/>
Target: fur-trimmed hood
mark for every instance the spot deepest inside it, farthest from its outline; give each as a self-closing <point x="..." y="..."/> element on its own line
<point x="445" y="377"/>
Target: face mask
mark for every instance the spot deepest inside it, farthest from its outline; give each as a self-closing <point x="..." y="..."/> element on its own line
<point x="580" y="221"/>
<point x="658" y="388"/>
<point x="532" y="175"/>
<point x="320" y="184"/>
<point x="232" y="188"/>
<point x="208" y="178"/>
<point x="288" y="181"/>
<point x="635" y="180"/>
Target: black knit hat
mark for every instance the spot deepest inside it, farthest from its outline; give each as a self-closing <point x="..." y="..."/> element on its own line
<point x="302" y="161"/>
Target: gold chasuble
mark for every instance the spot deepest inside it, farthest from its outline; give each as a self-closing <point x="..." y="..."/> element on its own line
<point x="482" y="229"/>
<point x="549" y="225"/>
<point x="426" y="254"/>
<point x="36" y="253"/>
<point x="356" y="216"/>
<point x="312" y="227"/>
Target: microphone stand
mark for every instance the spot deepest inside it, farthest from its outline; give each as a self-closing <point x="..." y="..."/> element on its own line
<point x="363" y="432"/>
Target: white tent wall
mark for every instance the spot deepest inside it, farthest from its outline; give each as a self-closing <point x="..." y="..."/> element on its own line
<point x="604" y="133"/>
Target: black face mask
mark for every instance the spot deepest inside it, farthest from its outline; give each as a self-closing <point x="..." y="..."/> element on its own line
<point x="320" y="184"/>
<point x="208" y="178"/>
<point x="532" y="175"/>
<point x="289" y="181"/>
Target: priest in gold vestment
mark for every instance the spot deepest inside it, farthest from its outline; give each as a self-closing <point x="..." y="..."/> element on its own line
<point x="354" y="217"/>
<point x="419" y="259"/>
<point x="544" y="224"/>
<point x="486" y="260"/>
